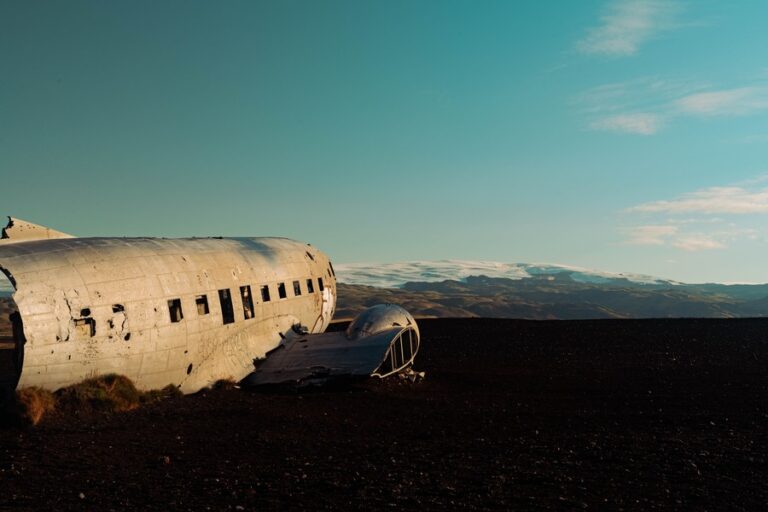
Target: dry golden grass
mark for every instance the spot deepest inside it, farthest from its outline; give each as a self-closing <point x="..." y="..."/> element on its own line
<point x="33" y="404"/>
<point x="105" y="394"/>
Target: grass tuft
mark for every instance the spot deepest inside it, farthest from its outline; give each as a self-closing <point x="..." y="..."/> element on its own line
<point x="106" y="393"/>
<point x="32" y="404"/>
<point x="224" y="384"/>
<point x="155" y="395"/>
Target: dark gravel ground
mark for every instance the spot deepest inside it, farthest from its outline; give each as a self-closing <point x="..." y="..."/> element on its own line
<point x="512" y="415"/>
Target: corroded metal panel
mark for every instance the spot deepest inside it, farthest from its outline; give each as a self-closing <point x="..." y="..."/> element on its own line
<point x="96" y="305"/>
<point x="307" y="359"/>
<point x="171" y="311"/>
<point x="18" y="230"/>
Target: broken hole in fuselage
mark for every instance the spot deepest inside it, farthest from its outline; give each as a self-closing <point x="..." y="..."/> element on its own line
<point x="11" y="337"/>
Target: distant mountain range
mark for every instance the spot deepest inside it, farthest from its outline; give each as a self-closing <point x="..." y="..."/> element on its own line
<point x="461" y="289"/>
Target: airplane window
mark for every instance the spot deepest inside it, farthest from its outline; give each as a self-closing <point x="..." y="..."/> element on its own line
<point x="320" y="283"/>
<point x="310" y="286"/>
<point x="407" y="347"/>
<point x="388" y="365"/>
<point x="397" y="355"/>
<point x="202" y="304"/>
<point x="225" y="299"/>
<point x="281" y="290"/>
<point x="296" y="288"/>
<point x="265" y="293"/>
<point x="174" y="307"/>
<point x="245" y="294"/>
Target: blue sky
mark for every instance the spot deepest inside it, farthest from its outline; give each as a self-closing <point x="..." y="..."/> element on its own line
<point x="621" y="135"/>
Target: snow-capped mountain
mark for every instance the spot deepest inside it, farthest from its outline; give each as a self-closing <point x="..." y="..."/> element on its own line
<point x="394" y="275"/>
<point x="538" y="291"/>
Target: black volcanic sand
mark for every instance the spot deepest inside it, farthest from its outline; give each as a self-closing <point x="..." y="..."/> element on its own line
<point x="512" y="415"/>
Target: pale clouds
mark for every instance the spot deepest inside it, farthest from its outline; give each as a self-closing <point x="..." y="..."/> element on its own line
<point x="642" y="106"/>
<point x="649" y="93"/>
<point x="739" y="101"/>
<point x="702" y="236"/>
<point x="639" y="123"/>
<point x="706" y="219"/>
<point x="698" y="243"/>
<point x="645" y="106"/>
<point x="714" y="200"/>
<point x="627" y="24"/>
<point x="718" y="239"/>
<point x="651" y="235"/>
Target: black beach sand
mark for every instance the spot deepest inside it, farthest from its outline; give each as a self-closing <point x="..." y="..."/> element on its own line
<point x="608" y="414"/>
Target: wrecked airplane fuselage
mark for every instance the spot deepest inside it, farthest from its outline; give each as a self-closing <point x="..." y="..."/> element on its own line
<point x="186" y="312"/>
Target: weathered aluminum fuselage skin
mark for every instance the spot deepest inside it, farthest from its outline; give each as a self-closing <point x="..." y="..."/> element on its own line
<point x="92" y="306"/>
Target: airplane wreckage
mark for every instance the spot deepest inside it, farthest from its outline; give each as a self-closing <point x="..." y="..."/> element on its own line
<point x="186" y="312"/>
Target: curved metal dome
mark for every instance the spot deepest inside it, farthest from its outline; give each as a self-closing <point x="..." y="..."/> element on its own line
<point x="380" y="318"/>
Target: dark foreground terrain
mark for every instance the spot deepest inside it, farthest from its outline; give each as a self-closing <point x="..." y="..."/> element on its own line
<point x="605" y="414"/>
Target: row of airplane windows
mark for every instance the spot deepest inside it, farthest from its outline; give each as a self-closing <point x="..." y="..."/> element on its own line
<point x="225" y="300"/>
<point x="87" y="324"/>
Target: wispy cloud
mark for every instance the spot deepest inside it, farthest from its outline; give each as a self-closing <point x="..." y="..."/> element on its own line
<point x="698" y="243"/>
<point x="646" y="105"/>
<point x="640" y="123"/>
<point x="692" y="238"/>
<point x="635" y="106"/>
<point x="626" y="24"/>
<point x="739" y="101"/>
<point x="719" y="238"/>
<point x="645" y="93"/>
<point x="650" y="235"/>
<point x="714" y="200"/>
<point x="706" y="219"/>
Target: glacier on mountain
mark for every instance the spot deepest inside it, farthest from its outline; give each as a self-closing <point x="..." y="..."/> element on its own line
<point x="394" y="275"/>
